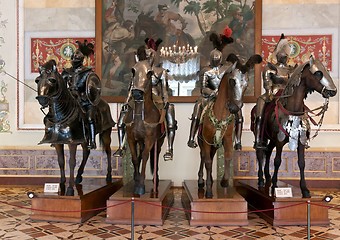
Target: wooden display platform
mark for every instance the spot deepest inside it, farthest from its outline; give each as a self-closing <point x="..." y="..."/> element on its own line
<point x="91" y="194"/>
<point x="261" y="198"/>
<point x="223" y="200"/>
<point x="144" y="214"/>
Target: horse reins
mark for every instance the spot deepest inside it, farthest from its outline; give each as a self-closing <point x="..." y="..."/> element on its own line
<point x="323" y="108"/>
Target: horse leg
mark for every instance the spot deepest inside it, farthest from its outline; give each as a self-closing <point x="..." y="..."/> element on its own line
<point x="61" y="161"/>
<point x="86" y="153"/>
<point x="106" y="140"/>
<point x="208" y="166"/>
<point x="301" y="163"/>
<point x="134" y="159"/>
<point x="268" y="152"/>
<point x="228" y="155"/>
<point x="145" y="156"/>
<point x="277" y="163"/>
<point x="200" y="173"/>
<point x="260" y="157"/>
<point x="72" y="164"/>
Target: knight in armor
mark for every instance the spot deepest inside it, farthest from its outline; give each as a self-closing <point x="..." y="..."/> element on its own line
<point x="211" y="81"/>
<point x="275" y="77"/>
<point x="160" y="96"/>
<point x="85" y="86"/>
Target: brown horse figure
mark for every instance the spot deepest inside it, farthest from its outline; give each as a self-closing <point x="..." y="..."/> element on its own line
<point x="143" y="125"/>
<point x="218" y="121"/>
<point x="286" y="119"/>
<point x="64" y="123"/>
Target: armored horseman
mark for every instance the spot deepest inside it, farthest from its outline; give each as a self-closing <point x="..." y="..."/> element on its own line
<point x="275" y="77"/>
<point x="85" y="86"/>
<point x="160" y="96"/>
<point x="211" y="80"/>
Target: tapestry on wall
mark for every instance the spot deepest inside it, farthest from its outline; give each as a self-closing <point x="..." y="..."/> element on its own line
<point x="302" y="46"/>
<point x="59" y="49"/>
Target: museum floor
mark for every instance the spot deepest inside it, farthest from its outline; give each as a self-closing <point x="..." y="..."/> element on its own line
<point x="15" y="223"/>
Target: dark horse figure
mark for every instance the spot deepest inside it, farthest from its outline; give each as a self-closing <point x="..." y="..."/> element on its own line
<point x="153" y="29"/>
<point x="218" y="121"/>
<point x="286" y="119"/>
<point x="144" y="125"/>
<point x="64" y="123"/>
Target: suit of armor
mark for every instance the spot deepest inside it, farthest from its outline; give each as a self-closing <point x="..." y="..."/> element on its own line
<point x="211" y="81"/>
<point x="275" y="77"/>
<point x="160" y="95"/>
<point x="77" y="77"/>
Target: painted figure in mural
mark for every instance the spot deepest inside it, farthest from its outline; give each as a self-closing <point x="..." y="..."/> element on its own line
<point x="160" y="96"/>
<point x="165" y="18"/>
<point x="211" y="80"/>
<point x="114" y="40"/>
<point x="85" y="86"/>
<point x="275" y="77"/>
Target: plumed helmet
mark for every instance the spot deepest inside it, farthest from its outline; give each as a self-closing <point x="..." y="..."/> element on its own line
<point x="215" y="58"/>
<point x="282" y="49"/>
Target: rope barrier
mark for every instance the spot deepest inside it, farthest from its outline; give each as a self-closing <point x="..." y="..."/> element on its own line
<point x="86" y="210"/>
<point x="171" y="208"/>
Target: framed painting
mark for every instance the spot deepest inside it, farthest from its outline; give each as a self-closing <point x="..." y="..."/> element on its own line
<point x="185" y="27"/>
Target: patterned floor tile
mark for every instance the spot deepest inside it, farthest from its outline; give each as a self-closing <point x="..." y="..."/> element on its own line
<point x="15" y="223"/>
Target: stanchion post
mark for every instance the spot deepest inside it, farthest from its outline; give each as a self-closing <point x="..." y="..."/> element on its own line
<point x="132" y="217"/>
<point x="308" y="220"/>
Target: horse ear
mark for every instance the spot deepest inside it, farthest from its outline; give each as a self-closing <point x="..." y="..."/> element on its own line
<point x="234" y="66"/>
<point x="311" y="60"/>
<point x="40" y="68"/>
<point x="255" y="59"/>
<point x="232" y="58"/>
<point x="54" y="68"/>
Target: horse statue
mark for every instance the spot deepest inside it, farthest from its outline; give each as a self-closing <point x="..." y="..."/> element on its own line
<point x="64" y="123"/>
<point x="217" y="126"/>
<point x="144" y="125"/>
<point x="286" y="119"/>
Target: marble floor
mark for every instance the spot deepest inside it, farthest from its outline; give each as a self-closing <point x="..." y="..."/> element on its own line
<point x="15" y="223"/>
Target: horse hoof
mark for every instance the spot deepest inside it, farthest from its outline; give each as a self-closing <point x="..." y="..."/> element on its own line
<point x="260" y="183"/>
<point x="79" y="179"/>
<point x="62" y="187"/>
<point x="109" y="178"/>
<point x="139" y="191"/>
<point x="208" y="194"/>
<point x="306" y="194"/>
<point x="201" y="185"/>
<point x="70" y="192"/>
<point x="224" y="183"/>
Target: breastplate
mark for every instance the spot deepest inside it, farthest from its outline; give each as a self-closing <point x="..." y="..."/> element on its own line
<point x="214" y="77"/>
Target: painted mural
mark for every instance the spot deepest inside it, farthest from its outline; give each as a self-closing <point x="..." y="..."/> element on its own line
<point x="126" y="23"/>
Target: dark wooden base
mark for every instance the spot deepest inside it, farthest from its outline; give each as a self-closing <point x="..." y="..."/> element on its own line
<point x="88" y="195"/>
<point x="144" y="214"/>
<point x="261" y="199"/>
<point x="223" y="200"/>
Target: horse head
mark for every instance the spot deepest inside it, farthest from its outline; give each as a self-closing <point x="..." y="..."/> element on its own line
<point x="48" y="82"/>
<point x="238" y="79"/>
<point x="319" y="72"/>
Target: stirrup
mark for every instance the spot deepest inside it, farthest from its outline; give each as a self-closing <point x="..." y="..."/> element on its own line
<point x="192" y="144"/>
<point x="92" y="145"/>
<point x="259" y="146"/>
<point x="168" y="156"/>
<point x="119" y="153"/>
<point x="238" y="146"/>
